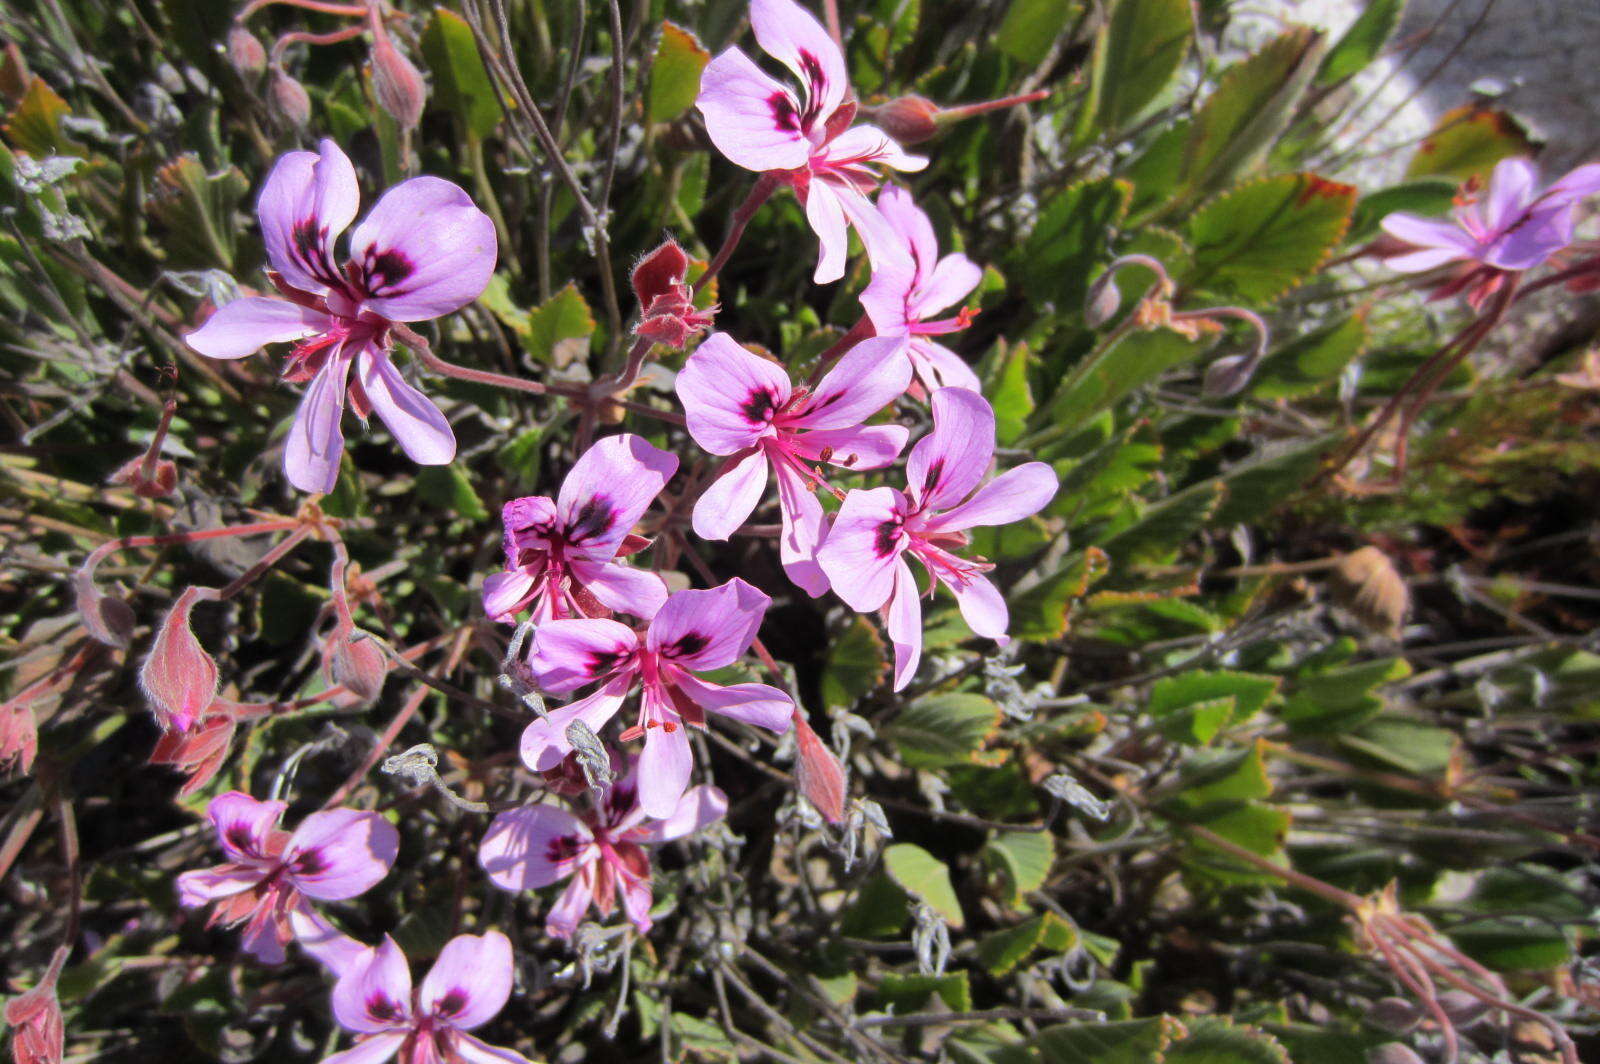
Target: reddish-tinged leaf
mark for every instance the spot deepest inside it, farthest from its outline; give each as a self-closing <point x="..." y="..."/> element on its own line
<point x="821" y="775"/>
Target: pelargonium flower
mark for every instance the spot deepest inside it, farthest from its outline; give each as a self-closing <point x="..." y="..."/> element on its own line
<point x="424" y="251"/>
<point x="467" y="987"/>
<point x="695" y="631"/>
<point x="908" y="289"/>
<point x="271" y="876"/>
<point x="561" y="554"/>
<point x="742" y="405"/>
<point x="601" y="851"/>
<point x="807" y="140"/>
<point x="1515" y="227"/>
<point x="863" y="555"/>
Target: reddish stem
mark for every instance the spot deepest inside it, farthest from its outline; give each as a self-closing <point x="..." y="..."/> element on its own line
<point x="968" y="110"/>
<point x="765" y="186"/>
<point x="319" y="6"/>
<point x="302" y="37"/>
<point x="863" y="329"/>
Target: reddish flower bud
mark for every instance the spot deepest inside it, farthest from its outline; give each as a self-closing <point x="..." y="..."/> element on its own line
<point x="908" y="119"/>
<point x="199" y="752"/>
<point x="179" y="677"/>
<point x="19" y="737"/>
<point x="660" y="273"/>
<point x="352" y="658"/>
<point x="288" y="100"/>
<point x="821" y="775"/>
<point x="157" y="484"/>
<point x="38" y="1035"/>
<point x="667" y="311"/>
<point x="245" y="53"/>
<point x="397" y="83"/>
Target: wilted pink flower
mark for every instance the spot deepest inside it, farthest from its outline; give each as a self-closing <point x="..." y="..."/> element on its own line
<point x="271" y="876"/>
<point x="198" y="752"/>
<point x="667" y="314"/>
<point x="602" y="850"/>
<point x="808" y="141"/>
<point x="422" y="252"/>
<point x="741" y="405"/>
<point x="467" y="987"/>
<point x="38" y="1033"/>
<point x="179" y="677"/>
<point x="909" y="288"/>
<point x="696" y="631"/>
<point x="561" y="554"/>
<point x="1516" y="227"/>
<point x="874" y="528"/>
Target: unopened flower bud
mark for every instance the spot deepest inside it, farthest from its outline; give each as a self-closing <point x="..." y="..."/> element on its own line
<point x="179" y="677"/>
<point x="1392" y="1053"/>
<point x="1462" y="1008"/>
<point x="1104" y="300"/>
<point x="38" y="1034"/>
<point x="1228" y="376"/>
<point x="353" y="659"/>
<point x="908" y="119"/>
<point x="820" y="774"/>
<point x="1367" y="584"/>
<point x="659" y="273"/>
<point x="1393" y="1014"/>
<point x="245" y="53"/>
<point x="107" y="619"/>
<point x="397" y="83"/>
<point x="288" y="100"/>
<point x="159" y="482"/>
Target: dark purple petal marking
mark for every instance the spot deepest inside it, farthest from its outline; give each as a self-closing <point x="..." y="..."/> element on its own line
<point x="562" y="848"/>
<point x="759" y="407"/>
<point x="309" y="236"/>
<point x="381" y="1007"/>
<point x="603" y="661"/>
<point x="886" y="538"/>
<point x="783" y="112"/>
<point x="309" y="863"/>
<point x="814" y="81"/>
<point x="242" y="840"/>
<point x="931" y="479"/>
<point x="385" y="270"/>
<point x="693" y="643"/>
<point x="619" y="800"/>
<point x="451" y="1003"/>
<point x="593" y="519"/>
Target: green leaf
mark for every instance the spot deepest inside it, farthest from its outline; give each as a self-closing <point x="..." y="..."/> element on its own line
<point x="1031" y="27"/>
<point x="1467" y="142"/>
<point x="1257" y="241"/>
<point x="1006" y="387"/>
<point x="1259" y="828"/>
<point x="1511" y="944"/>
<point x="1218" y="777"/>
<point x="1023" y="859"/>
<point x="1252" y="104"/>
<point x="945" y="729"/>
<point x="1055" y="261"/>
<point x="1002" y="951"/>
<point x="197" y="211"/>
<point x="855" y="664"/>
<point x="675" y="73"/>
<point x="1311" y="361"/>
<point x="1258" y="485"/>
<point x="1146" y="42"/>
<point x="1166" y="525"/>
<point x="1040" y="613"/>
<point x="880" y="910"/>
<point x="461" y="84"/>
<point x="911" y="993"/>
<point x="883" y="34"/>
<point x="1341" y="699"/>
<point x="447" y="488"/>
<point x="925" y="878"/>
<point x="1362" y="42"/>
<point x="1409" y="745"/>
<point x="1194" y="706"/>
<point x="1214" y="1040"/>
<point x="1128" y="1042"/>
<point x="1425" y="196"/>
<point x="34" y="125"/>
<point x="559" y="331"/>
<point x="1106" y="377"/>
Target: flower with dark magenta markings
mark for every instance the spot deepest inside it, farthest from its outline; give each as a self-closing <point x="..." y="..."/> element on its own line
<point x="696" y="631"/>
<point x="602" y="851"/>
<point x="1515" y="226"/>
<point x="561" y="554"/>
<point x="863" y="555"/>
<point x="741" y="405"/>
<point x="806" y="140"/>
<point x="271" y="877"/>
<point x="467" y="987"/>
<point x="910" y="288"/>
<point x="424" y="251"/>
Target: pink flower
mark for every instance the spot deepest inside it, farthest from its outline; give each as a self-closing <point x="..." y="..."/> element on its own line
<point x="696" y="631"/>
<point x="560" y="555"/>
<point x="808" y="141"/>
<point x="467" y="987"/>
<point x="1516" y="227"/>
<point x="874" y="528"/>
<point x="908" y="289"/>
<point x="421" y="253"/>
<point x="536" y="846"/>
<point x="741" y="405"/>
<point x="271" y="876"/>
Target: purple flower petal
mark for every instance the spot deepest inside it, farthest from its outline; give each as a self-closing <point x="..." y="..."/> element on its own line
<point x="888" y="296"/>
<point x="750" y="117"/>
<point x="224" y="881"/>
<point x="424" y="251"/>
<point x="699" y="808"/>
<point x="316" y="441"/>
<point x="1512" y="188"/>
<point x="949" y="461"/>
<point x="567" y="912"/>
<point x="664" y="769"/>
<point x="790" y="34"/>
<point x="534" y="847"/>
<point x="244" y="825"/>
<point x="753" y="703"/>
<point x="867" y="145"/>
<point x="339" y="853"/>
<point x="868" y="447"/>
<point x="636" y="898"/>
<point x="418" y="426"/>
<point x="374" y="993"/>
<point x="982" y="607"/>
<point x="708" y="628"/>
<point x="725" y="505"/>
<point x="870" y="376"/>
<point x="1437" y="242"/>
<point x="470" y="1050"/>
<point x="332" y="948"/>
<point x="952" y="280"/>
<point x="910" y="223"/>
<point x="862" y="547"/>
<point x="939" y="367"/>
<point x="621" y="587"/>
<point x="506" y="594"/>
<point x="240" y="328"/>
<point x="730" y="395"/>
<point x="569" y="654"/>
<point x="804" y="528"/>
<point x="544" y="742"/>
<point x="306" y="202"/>
<point x="903" y="621"/>
<point x="1576" y="185"/>
<point x="374" y="1050"/>
<point x="1011" y="496"/>
<point x="470" y="982"/>
<point x="608" y="490"/>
